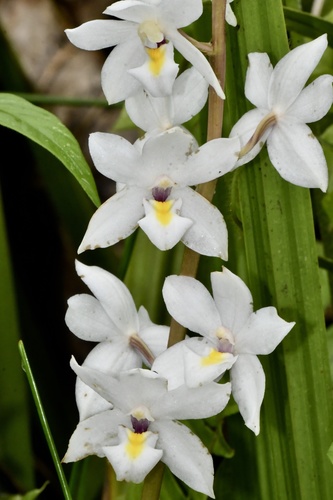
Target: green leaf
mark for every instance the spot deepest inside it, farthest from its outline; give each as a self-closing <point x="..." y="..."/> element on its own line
<point x="44" y="423"/>
<point x="308" y="25"/>
<point x="31" y="495"/>
<point x="46" y="129"/>
<point x="282" y="270"/>
<point x="330" y="453"/>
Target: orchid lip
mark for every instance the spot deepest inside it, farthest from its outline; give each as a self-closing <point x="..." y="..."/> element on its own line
<point x="160" y="193"/>
<point x="140" y="425"/>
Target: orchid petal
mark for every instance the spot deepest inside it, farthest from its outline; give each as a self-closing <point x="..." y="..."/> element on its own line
<point x="99" y="34"/>
<point x="203" y="363"/>
<point x="156" y="338"/>
<point x="116" y="219"/>
<point x="131" y="10"/>
<point x="208" y="235"/>
<point x="135" y="456"/>
<point x="185" y="455"/>
<point x="262" y="333"/>
<point x="233" y="299"/>
<point x="180" y="13"/>
<point x="177" y="144"/>
<point x="170" y="365"/>
<point x="92" y="434"/>
<point x="115" y="157"/>
<point x="297" y="155"/>
<point x="108" y="357"/>
<point x="117" y="82"/>
<point x="314" y="101"/>
<point x="86" y="318"/>
<point x="257" y="79"/>
<point x="162" y="224"/>
<point x="150" y="113"/>
<point x="245" y="128"/>
<point x="292" y="72"/>
<point x="212" y="160"/>
<point x="113" y="296"/>
<point x="158" y="72"/>
<point x="194" y="403"/>
<point x="189" y="302"/>
<point x="197" y="59"/>
<point x="248" y="388"/>
<point x="229" y="15"/>
<point x="190" y="94"/>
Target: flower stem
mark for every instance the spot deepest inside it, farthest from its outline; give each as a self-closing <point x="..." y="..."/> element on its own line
<point x="214" y="130"/>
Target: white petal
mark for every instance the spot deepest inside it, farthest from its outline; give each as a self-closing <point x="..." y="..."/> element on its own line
<point x="93" y="433"/>
<point x="116" y="219"/>
<point x="195" y="403"/>
<point x="162" y="224"/>
<point x="212" y="160"/>
<point x="190" y="93"/>
<point x="99" y="34"/>
<point x="156" y="337"/>
<point x="244" y="130"/>
<point x="248" y="388"/>
<point x="86" y="318"/>
<point x="208" y="235"/>
<point x="177" y="144"/>
<point x="158" y="72"/>
<point x="230" y="16"/>
<point x="131" y="389"/>
<point x="190" y="303"/>
<point x="115" y="157"/>
<point x="297" y="155"/>
<point x="292" y="72"/>
<point x="144" y="319"/>
<point x="117" y="82"/>
<point x="257" y="79"/>
<point x="197" y="59"/>
<point x="203" y="363"/>
<point x="233" y="299"/>
<point x="186" y="456"/>
<point x="131" y="10"/>
<point x="262" y="333"/>
<point x="113" y="296"/>
<point x="170" y="365"/>
<point x="150" y="113"/>
<point x="107" y="357"/>
<point x="180" y="13"/>
<point x="314" y="101"/>
<point x="132" y="460"/>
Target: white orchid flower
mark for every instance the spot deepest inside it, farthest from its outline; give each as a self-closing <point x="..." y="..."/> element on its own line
<point x="188" y="97"/>
<point x="233" y="337"/>
<point x="156" y="175"/>
<point x="143" y="38"/>
<point x="282" y="110"/>
<point x="143" y="428"/>
<point x="126" y="338"/>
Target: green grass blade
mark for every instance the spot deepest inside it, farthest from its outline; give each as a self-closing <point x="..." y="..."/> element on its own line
<point x="44" y="423"/>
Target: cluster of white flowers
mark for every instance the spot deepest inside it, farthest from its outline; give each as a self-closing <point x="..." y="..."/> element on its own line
<point x="131" y="390"/>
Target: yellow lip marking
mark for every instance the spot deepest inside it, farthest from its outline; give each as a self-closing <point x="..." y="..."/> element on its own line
<point x="157" y="59"/>
<point x="163" y="211"/>
<point x="212" y="358"/>
<point x="136" y="444"/>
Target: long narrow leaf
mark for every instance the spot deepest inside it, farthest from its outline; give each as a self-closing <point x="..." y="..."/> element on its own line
<point x="46" y="129"/>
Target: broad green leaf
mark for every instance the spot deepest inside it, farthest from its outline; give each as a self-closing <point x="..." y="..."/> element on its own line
<point x="330" y="453"/>
<point x="282" y="270"/>
<point x="46" y="129"/>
